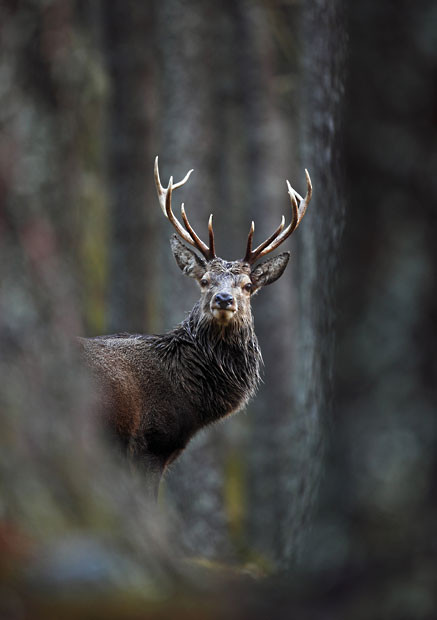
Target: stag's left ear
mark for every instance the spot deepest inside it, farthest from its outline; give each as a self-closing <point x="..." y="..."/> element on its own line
<point x="270" y="270"/>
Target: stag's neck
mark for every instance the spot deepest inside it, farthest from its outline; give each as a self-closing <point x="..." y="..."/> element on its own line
<point x="217" y="366"/>
<point x="204" y="331"/>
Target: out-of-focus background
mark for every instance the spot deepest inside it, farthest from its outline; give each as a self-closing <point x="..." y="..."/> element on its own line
<point x="320" y="499"/>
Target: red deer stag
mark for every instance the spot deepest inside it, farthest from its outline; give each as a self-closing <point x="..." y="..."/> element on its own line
<point x="158" y="391"/>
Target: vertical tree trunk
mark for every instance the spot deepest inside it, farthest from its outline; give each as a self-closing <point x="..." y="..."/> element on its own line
<point x="382" y="491"/>
<point x="129" y="29"/>
<point x="63" y="495"/>
<point x="269" y="137"/>
<point x="323" y="57"/>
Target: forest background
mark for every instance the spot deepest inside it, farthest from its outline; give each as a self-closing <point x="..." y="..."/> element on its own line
<point x="323" y="491"/>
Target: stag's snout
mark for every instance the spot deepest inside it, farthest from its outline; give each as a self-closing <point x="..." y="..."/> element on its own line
<point x="223" y="306"/>
<point x="223" y="300"/>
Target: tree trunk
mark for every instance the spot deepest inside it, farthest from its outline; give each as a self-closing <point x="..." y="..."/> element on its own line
<point x="323" y="57"/>
<point x="64" y="494"/>
<point x="129" y="25"/>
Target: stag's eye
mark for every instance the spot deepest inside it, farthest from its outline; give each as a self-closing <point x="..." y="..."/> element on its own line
<point x="248" y="287"/>
<point x="203" y="282"/>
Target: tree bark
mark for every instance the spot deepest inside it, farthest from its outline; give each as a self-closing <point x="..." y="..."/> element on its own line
<point x="67" y="503"/>
<point x="323" y="74"/>
<point x="128" y="29"/>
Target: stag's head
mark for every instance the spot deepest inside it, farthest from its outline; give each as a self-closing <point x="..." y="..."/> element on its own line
<point x="227" y="286"/>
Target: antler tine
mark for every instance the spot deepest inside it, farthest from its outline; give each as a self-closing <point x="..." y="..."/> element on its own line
<point x="197" y="241"/>
<point x="211" y="237"/>
<point x="184" y="180"/>
<point x="251" y="254"/>
<point x="280" y="235"/>
<point x="189" y="235"/>
<point x="272" y="237"/>
<point x="248" y="254"/>
<point x="162" y="191"/>
<point x="307" y="198"/>
<point x="170" y="215"/>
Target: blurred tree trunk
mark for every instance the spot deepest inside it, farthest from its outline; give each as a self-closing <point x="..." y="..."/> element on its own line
<point x="269" y="137"/>
<point x="63" y="498"/>
<point x="322" y="43"/>
<point x="381" y="503"/>
<point x="128" y="32"/>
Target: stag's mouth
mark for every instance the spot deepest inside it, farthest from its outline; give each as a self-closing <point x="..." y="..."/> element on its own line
<point x="223" y="316"/>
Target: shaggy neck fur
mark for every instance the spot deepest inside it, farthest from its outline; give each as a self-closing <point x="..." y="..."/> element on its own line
<point x="217" y="366"/>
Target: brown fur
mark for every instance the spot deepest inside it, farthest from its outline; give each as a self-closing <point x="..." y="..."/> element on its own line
<point x="158" y="391"/>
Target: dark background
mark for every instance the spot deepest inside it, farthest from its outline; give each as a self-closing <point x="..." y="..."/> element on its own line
<point x="319" y="500"/>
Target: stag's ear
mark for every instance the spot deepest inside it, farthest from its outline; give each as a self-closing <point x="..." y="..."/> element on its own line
<point x="270" y="270"/>
<point x="187" y="260"/>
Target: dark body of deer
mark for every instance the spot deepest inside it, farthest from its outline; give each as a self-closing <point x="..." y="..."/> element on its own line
<point x="158" y="391"/>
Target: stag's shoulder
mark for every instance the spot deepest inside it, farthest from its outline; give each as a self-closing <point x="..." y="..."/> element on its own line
<point x="117" y="351"/>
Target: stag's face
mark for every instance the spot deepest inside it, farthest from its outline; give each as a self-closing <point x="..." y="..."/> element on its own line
<point x="227" y="286"/>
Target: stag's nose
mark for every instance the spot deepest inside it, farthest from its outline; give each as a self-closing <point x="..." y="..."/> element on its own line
<point x="223" y="300"/>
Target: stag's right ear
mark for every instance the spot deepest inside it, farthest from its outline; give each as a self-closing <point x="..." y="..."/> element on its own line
<point x="187" y="260"/>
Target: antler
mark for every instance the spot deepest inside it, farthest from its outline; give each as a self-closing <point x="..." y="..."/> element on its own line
<point x="188" y="235"/>
<point x="280" y="235"/>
